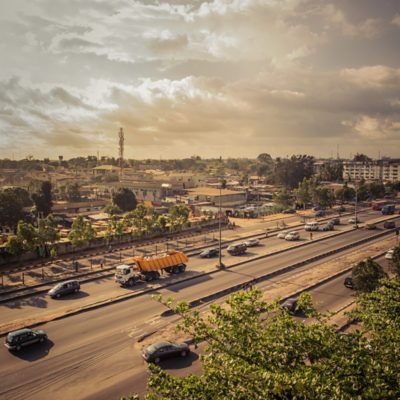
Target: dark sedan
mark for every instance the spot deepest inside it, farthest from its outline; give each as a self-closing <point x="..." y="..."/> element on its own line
<point x="290" y="305"/>
<point x="24" y="337"/>
<point x="209" y="253"/>
<point x="348" y="282"/>
<point x="159" y="351"/>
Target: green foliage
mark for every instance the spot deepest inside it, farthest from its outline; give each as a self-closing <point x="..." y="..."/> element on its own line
<point x="303" y="192"/>
<point x="11" y="207"/>
<point x="366" y="275"/>
<point x="283" y="199"/>
<point x="21" y="194"/>
<point x="43" y="199"/>
<point x="112" y="209"/>
<point x="178" y="216"/>
<point x="47" y="232"/>
<point x="124" y="199"/>
<point x="73" y="192"/>
<point x="14" y="246"/>
<point x="256" y="350"/>
<point x="82" y="232"/>
<point x="394" y="263"/>
<point x="345" y="193"/>
<point x="289" y="172"/>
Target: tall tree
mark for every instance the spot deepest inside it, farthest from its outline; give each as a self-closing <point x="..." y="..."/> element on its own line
<point x="47" y="234"/>
<point x="73" y="192"/>
<point x="303" y="192"/>
<point x="82" y="232"/>
<point x="43" y="199"/>
<point x="11" y="209"/>
<point x="291" y="171"/>
<point x="366" y="275"/>
<point x="395" y="261"/>
<point x="125" y="199"/>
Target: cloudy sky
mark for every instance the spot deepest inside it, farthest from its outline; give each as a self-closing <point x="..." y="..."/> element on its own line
<point x="232" y="78"/>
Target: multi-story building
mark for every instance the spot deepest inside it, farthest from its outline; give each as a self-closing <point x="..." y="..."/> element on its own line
<point x="375" y="170"/>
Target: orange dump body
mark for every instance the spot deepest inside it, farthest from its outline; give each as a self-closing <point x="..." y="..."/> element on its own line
<point x="161" y="261"/>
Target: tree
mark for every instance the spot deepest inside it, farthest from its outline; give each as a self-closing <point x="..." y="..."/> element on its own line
<point x="256" y="350"/>
<point x="361" y="158"/>
<point x="283" y="198"/>
<point x="125" y="199"/>
<point x="303" y="192"/>
<point x="376" y="190"/>
<point x="11" y="209"/>
<point x="43" y="199"/>
<point x="82" y="232"/>
<point x="291" y="171"/>
<point x="22" y="195"/>
<point x="112" y="209"/>
<point x="47" y="234"/>
<point x="178" y="216"/>
<point x="366" y="275"/>
<point x="322" y="196"/>
<point x="345" y="193"/>
<point x="394" y="263"/>
<point x="73" y="192"/>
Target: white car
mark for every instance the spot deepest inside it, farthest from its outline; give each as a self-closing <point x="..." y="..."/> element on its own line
<point x="294" y="235"/>
<point x="311" y="226"/>
<point x="389" y="254"/>
<point x="354" y="221"/>
<point x="252" y="242"/>
<point x="282" y="235"/>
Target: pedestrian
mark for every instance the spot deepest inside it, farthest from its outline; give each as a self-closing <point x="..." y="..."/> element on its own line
<point x="102" y="263"/>
<point x="310" y="235"/>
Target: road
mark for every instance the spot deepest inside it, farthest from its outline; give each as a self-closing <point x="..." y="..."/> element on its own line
<point x="41" y="306"/>
<point x="95" y="354"/>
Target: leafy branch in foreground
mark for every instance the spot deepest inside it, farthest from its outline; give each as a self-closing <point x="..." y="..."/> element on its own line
<point x="257" y="350"/>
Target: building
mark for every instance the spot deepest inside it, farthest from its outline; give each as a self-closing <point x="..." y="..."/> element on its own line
<point x="375" y="170"/>
<point x="228" y="198"/>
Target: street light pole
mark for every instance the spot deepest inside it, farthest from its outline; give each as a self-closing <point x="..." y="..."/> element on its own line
<point x="220" y="264"/>
<point x="355" y="207"/>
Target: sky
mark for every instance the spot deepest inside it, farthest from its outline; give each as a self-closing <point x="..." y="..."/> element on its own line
<point x="208" y="78"/>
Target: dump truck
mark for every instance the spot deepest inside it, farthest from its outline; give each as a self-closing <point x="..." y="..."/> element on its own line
<point x="149" y="268"/>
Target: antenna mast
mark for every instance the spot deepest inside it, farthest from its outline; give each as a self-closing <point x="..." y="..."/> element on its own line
<point x="121" y="150"/>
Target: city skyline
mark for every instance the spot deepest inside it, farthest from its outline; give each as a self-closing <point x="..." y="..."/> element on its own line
<point x="229" y="78"/>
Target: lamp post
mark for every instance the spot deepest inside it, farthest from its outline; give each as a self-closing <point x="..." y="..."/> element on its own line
<point x="220" y="263"/>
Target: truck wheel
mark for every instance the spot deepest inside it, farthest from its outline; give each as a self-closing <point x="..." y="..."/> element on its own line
<point x="168" y="270"/>
<point x="131" y="282"/>
<point x="182" y="268"/>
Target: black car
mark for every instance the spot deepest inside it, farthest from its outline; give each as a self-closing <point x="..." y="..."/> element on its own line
<point x="348" y="282"/>
<point x="290" y="305"/>
<point x="320" y="213"/>
<point x="161" y="350"/>
<point x="208" y="253"/>
<point x="328" y="227"/>
<point x="389" y="224"/>
<point x="24" y="337"/>
<point x="341" y="209"/>
<point x="64" y="288"/>
<point x="237" y="249"/>
<point x="289" y="211"/>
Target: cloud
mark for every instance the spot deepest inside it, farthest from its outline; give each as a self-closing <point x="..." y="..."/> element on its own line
<point x="396" y="20"/>
<point x="377" y="76"/>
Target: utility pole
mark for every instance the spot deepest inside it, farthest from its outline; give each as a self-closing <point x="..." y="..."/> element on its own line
<point x="121" y="151"/>
<point x="220" y="263"/>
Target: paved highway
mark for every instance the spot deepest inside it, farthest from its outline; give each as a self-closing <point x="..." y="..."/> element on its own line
<point x="95" y="352"/>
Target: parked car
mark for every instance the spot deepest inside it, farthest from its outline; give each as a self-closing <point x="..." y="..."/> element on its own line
<point x="328" y="227"/>
<point x="294" y="235"/>
<point x="162" y="350"/>
<point x="252" y="242"/>
<point x="389" y="254"/>
<point x="319" y="214"/>
<point x="319" y="208"/>
<point x="24" y="337"/>
<point x="370" y="226"/>
<point x="290" y="305"/>
<point x="282" y="235"/>
<point x="237" y="249"/>
<point x="64" y="288"/>
<point x="348" y="282"/>
<point x="289" y="211"/>
<point x="342" y="209"/>
<point x="354" y="221"/>
<point x="209" y="253"/>
<point x="311" y="226"/>
<point x="389" y="224"/>
<point x="335" y="221"/>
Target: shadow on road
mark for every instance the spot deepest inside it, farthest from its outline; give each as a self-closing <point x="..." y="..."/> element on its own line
<point x="32" y="301"/>
<point x="73" y="296"/>
<point x="179" y="363"/>
<point x="34" y="352"/>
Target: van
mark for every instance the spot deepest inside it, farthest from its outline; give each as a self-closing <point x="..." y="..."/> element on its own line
<point x="389" y="224"/>
<point x="311" y="226"/>
<point x="236" y="249"/>
<point x="64" y="288"/>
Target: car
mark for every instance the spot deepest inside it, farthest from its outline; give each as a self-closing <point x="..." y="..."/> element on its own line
<point x="289" y="211"/>
<point x="342" y="209"/>
<point x="209" y="253"/>
<point x="64" y="288"/>
<point x="370" y="226"/>
<point x="311" y="226"/>
<point x="236" y="249"/>
<point x="389" y="254"/>
<point x="294" y="235"/>
<point x="389" y="224"/>
<point x="319" y="213"/>
<point x="252" y="242"/>
<point x="348" y="282"/>
<point x="335" y="221"/>
<point x="162" y="350"/>
<point x="290" y="305"/>
<point x="319" y="208"/>
<point x="24" y="337"/>
<point x="328" y="227"/>
<point x="354" y="221"/>
<point x="282" y="235"/>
